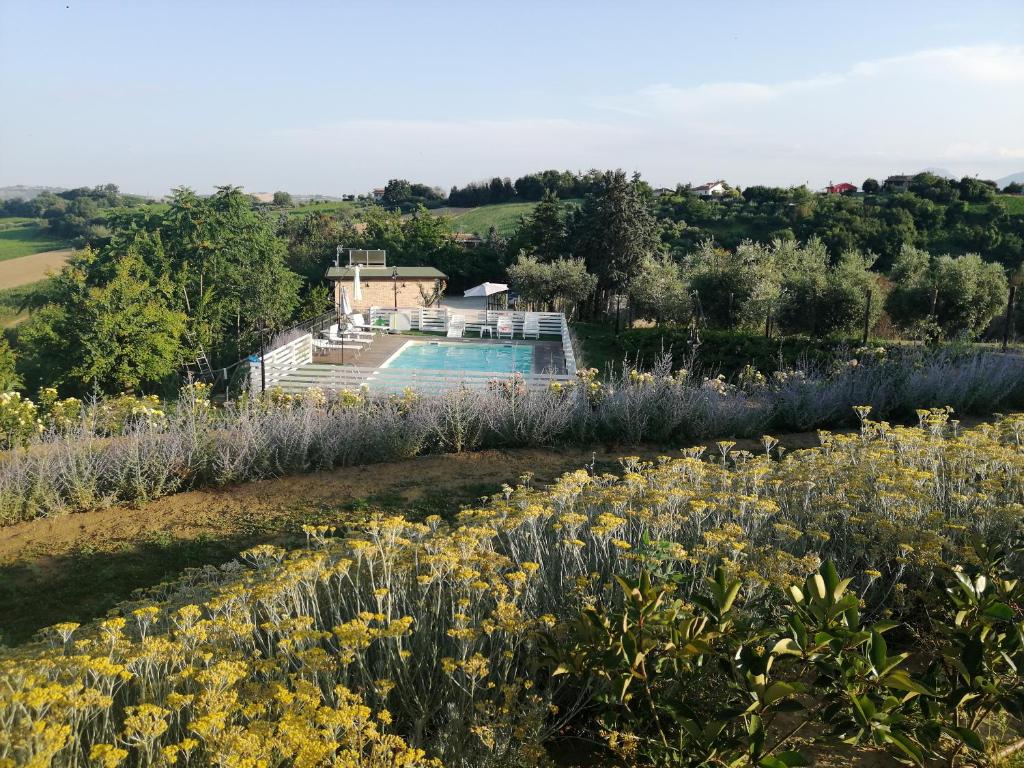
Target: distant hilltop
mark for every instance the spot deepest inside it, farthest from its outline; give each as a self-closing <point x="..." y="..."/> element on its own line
<point x="1012" y="178"/>
<point x="26" y="192"/>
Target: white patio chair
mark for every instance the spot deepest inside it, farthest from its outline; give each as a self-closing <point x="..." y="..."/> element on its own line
<point x="335" y="335"/>
<point x="505" y="326"/>
<point x="456" y="326"/>
<point x="531" y="326"/>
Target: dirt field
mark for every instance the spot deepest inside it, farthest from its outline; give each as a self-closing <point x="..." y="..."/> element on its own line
<point x="76" y="567"/>
<point x="31" y="269"/>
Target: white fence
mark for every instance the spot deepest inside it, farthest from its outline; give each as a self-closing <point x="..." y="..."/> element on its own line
<point x="436" y="320"/>
<point x="335" y="378"/>
<point x="282" y="361"/>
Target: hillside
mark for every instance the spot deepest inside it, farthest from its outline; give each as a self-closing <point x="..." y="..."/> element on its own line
<point x="504" y="217"/>
<point x="25" y="192"/>
<point x="23" y="237"/>
<point x="1013" y="177"/>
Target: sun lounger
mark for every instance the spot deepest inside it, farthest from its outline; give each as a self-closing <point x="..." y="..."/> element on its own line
<point x="456" y="326"/>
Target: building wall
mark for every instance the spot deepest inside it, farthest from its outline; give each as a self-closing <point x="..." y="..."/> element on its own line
<point x="381" y="293"/>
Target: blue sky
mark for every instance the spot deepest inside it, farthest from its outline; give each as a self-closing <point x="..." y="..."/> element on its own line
<point x="334" y="97"/>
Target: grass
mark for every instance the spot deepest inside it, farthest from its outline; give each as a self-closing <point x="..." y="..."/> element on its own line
<point x="330" y="207"/>
<point x="13" y="222"/>
<point x="24" y="237"/>
<point x="11" y="300"/>
<point x="504" y="218"/>
<point x="1014" y="204"/>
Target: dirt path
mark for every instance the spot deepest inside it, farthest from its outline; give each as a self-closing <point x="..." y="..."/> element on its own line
<point x="30" y="269"/>
<point x="75" y="567"/>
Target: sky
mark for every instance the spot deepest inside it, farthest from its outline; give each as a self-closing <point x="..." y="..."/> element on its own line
<point x="337" y="97"/>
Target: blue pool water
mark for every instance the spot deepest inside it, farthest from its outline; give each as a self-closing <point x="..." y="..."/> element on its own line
<point x="441" y="356"/>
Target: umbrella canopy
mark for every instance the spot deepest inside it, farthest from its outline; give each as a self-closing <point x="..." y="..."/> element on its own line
<point x="486" y="289"/>
<point x="346" y="305"/>
<point x="357" y="287"/>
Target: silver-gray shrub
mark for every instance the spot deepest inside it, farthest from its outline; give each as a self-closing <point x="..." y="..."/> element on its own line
<point x="196" y="444"/>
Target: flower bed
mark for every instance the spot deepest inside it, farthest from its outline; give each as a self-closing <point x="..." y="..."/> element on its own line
<point x="401" y="643"/>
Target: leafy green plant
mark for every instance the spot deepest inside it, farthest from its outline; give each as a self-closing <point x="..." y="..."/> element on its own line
<point x="707" y="685"/>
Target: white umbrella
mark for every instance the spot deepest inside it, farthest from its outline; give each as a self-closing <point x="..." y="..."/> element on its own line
<point x="346" y="305"/>
<point x="486" y="289"/>
<point x="357" y="287"/>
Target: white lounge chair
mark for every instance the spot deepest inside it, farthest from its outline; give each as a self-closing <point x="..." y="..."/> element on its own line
<point x="335" y="335"/>
<point x="357" y="323"/>
<point x="326" y="345"/>
<point x="456" y="326"/>
<point x="531" y="326"/>
<point x="505" y="326"/>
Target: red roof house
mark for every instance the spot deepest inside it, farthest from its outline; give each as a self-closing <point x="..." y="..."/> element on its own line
<point x="841" y="188"/>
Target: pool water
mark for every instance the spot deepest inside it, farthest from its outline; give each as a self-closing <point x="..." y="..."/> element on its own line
<point x="441" y="356"/>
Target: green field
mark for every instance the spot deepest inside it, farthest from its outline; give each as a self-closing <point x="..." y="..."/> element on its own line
<point x="23" y="237"/>
<point x="11" y="300"/>
<point x="330" y="207"/>
<point x="1014" y="204"/>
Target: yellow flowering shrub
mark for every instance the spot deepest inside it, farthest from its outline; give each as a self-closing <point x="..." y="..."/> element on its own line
<point x="19" y="420"/>
<point x="401" y="643"/>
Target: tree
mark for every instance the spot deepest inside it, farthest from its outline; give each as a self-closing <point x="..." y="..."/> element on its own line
<point x="311" y="242"/>
<point x="736" y="289"/>
<point x="119" y="334"/>
<point x="544" y="230"/>
<point x="396" y="192"/>
<point x="871" y="186"/>
<point x="9" y="378"/>
<point x="1013" y="188"/>
<point x="228" y="269"/>
<point x="614" y="231"/>
<point x="959" y="296"/>
<point x="282" y="199"/>
<point x="558" y="285"/>
<point x="976" y="190"/>
<point x="659" y="291"/>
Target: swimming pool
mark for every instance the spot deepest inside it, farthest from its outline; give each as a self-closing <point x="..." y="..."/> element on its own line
<point x="447" y="356"/>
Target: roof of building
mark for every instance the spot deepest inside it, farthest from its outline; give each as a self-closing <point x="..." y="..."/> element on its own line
<point x="709" y="185"/>
<point x="370" y="273"/>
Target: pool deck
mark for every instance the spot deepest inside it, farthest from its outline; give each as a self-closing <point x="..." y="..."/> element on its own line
<point x="547" y="355"/>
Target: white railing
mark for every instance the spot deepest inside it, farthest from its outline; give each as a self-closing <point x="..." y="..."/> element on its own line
<point x="282" y="361"/>
<point x="335" y="378"/>
<point x="435" y="320"/>
<point x="567" y="348"/>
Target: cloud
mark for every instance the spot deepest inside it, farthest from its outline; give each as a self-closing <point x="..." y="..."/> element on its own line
<point x="956" y="107"/>
<point x="986" y="65"/>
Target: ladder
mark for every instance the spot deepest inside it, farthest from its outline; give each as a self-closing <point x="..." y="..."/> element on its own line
<point x="203" y="364"/>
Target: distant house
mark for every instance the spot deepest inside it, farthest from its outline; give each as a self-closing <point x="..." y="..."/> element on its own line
<point x="900" y="183"/>
<point x="842" y="188"/>
<point x="662" y="191"/>
<point x="384" y="286"/>
<point x="468" y="239"/>
<point x="711" y="189"/>
<point x="378" y="194"/>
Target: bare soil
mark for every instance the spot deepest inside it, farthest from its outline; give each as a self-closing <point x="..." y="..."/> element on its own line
<point x="30" y="269"/>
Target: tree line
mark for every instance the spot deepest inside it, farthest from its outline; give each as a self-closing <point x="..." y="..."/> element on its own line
<point x="215" y="273"/>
